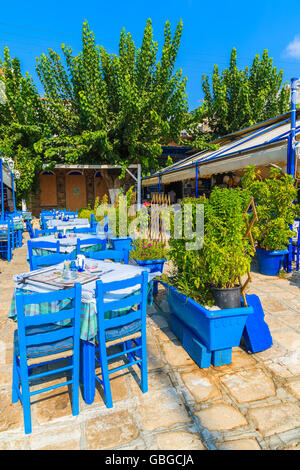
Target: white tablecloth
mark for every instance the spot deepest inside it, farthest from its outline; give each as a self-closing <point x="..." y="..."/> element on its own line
<point x="67" y="245"/>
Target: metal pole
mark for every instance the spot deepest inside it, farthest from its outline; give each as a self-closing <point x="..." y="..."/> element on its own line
<point x="2" y="192"/>
<point x="196" y="180"/>
<point x="13" y="190"/>
<point x="290" y="166"/>
<point x="159" y="184"/>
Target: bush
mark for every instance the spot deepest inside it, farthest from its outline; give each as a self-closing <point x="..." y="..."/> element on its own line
<point x="273" y="198"/>
<point x="226" y="253"/>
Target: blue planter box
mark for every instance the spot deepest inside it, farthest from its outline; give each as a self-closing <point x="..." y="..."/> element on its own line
<point x="154" y="265"/>
<point x="121" y="243"/>
<point x="208" y="336"/>
<point x="270" y="262"/>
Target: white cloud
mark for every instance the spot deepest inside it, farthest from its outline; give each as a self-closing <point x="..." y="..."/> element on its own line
<point x="293" y="48"/>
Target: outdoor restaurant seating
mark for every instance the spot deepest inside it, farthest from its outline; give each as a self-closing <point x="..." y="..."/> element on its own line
<point x="6" y="240"/>
<point x="121" y="328"/>
<point x="44" y="261"/>
<point x="43" y="232"/>
<point x="29" y="229"/>
<point x="97" y="243"/>
<point x="35" y="247"/>
<point x="113" y="255"/>
<point x="39" y="336"/>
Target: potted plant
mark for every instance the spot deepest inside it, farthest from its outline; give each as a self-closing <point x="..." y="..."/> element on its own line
<point x="207" y="327"/>
<point x="276" y="214"/>
<point x="151" y="254"/>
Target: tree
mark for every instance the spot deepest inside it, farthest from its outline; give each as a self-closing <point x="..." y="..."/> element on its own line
<point x="113" y="108"/>
<point x="240" y="98"/>
<point x="23" y="118"/>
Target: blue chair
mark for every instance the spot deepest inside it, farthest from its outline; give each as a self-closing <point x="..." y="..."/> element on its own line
<point x="44" y="261"/>
<point x="6" y="240"/>
<point x="44" y="232"/>
<point x="84" y="230"/>
<point x="29" y="229"/>
<point x="39" y="336"/>
<point x="40" y="245"/>
<point x="120" y="328"/>
<point x="100" y="244"/>
<point x="113" y="255"/>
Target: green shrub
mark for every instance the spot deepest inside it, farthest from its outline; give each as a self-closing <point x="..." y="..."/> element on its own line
<point x="273" y="198"/>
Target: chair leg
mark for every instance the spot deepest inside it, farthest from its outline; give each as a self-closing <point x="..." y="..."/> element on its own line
<point x="26" y="399"/>
<point x="105" y="376"/>
<point x="75" y="388"/>
<point x="144" y="372"/>
<point x="15" y="381"/>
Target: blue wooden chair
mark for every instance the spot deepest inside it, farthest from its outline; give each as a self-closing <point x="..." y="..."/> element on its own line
<point x="6" y="240"/>
<point x="33" y="246"/>
<point x="118" y="329"/>
<point x="97" y="243"/>
<point x="29" y="229"/>
<point x="44" y="261"/>
<point x="113" y="255"/>
<point x="44" y="232"/>
<point x="39" y="336"/>
<point x="84" y="230"/>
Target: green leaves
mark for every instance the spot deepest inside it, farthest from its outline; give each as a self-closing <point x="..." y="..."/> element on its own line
<point x="238" y="98"/>
<point x="273" y="197"/>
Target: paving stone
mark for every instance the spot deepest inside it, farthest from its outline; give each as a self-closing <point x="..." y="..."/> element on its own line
<point x="119" y="390"/>
<point x="13" y="443"/>
<point x="273" y="306"/>
<point x="162" y="409"/>
<point x="200" y="386"/>
<point x="108" y="431"/>
<point x="273" y="419"/>
<point x="239" y="444"/>
<point x="249" y="385"/>
<point x="240" y="360"/>
<point x="179" y="440"/>
<point x="11" y="414"/>
<point x="53" y="405"/>
<point x="294" y="387"/>
<point x="159" y="322"/>
<point x="175" y="355"/>
<point x="66" y="438"/>
<point x="288" y="338"/>
<point x="221" y="417"/>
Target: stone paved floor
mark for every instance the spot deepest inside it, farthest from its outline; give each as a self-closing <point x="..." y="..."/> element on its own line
<point x="251" y="404"/>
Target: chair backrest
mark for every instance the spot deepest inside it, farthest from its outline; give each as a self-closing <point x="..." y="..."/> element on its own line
<point x="29" y="228"/>
<point x="38" y="262"/>
<point x="43" y="245"/>
<point x="72" y="299"/>
<point x="84" y="230"/>
<point x="113" y="255"/>
<point x="6" y="239"/>
<point x="44" y="232"/>
<point x="101" y="243"/>
<point x="138" y="299"/>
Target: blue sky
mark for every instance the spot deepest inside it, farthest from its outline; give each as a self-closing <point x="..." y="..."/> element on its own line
<point x="210" y="30"/>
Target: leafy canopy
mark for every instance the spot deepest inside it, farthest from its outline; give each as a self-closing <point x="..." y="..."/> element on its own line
<point x="238" y="98"/>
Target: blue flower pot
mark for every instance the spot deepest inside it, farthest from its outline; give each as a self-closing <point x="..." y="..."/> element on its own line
<point x="270" y="262"/>
<point x="121" y="243"/>
<point x="154" y="265"/>
<point x="208" y="336"/>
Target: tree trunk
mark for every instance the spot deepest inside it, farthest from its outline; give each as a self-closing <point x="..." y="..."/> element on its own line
<point x="113" y="182"/>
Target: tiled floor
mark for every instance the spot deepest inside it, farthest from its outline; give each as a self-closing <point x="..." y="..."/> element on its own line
<point x="252" y="403"/>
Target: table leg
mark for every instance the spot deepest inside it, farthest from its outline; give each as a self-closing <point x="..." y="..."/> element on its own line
<point x="88" y="371"/>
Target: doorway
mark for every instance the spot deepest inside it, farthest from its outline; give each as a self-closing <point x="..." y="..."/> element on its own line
<point x="75" y="191"/>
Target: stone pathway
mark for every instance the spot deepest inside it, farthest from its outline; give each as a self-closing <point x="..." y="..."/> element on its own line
<point x="252" y="403"/>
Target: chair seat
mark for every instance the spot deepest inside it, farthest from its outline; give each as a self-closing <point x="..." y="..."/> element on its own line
<point x="122" y="331"/>
<point x="47" y="348"/>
